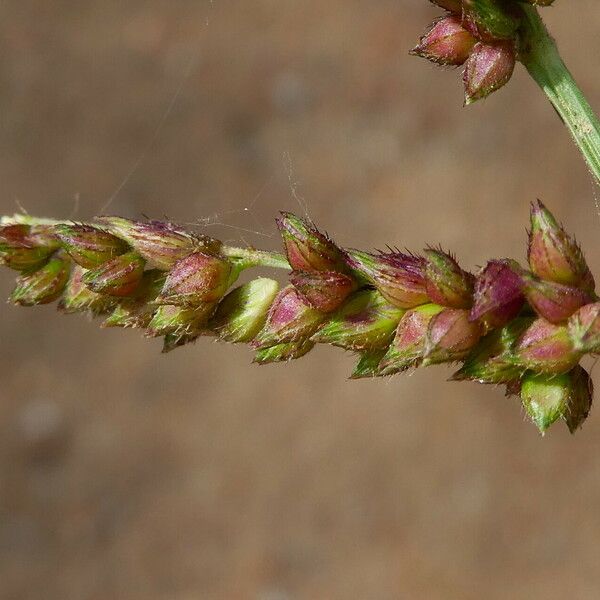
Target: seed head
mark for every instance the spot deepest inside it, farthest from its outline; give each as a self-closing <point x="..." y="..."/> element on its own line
<point x="545" y="397"/>
<point x="365" y="322"/>
<point x="446" y="283"/>
<point x="77" y="297"/>
<point x="507" y="326"/>
<point x="89" y="246"/>
<point x="553" y="254"/>
<point x="42" y="286"/>
<point x="243" y="312"/>
<point x="400" y="278"/>
<point x="584" y="328"/>
<point x="546" y="348"/>
<point x="290" y="320"/>
<point x="160" y="244"/>
<point x="408" y="347"/>
<point x="137" y="310"/>
<point x="196" y="279"/>
<point x="307" y="248"/>
<point x="179" y="320"/>
<point x="117" y="277"/>
<point x="553" y="301"/>
<point x="493" y="360"/>
<point x="489" y="67"/>
<point x="323" y="290"/>
<point x="446" y="42"/>
<point x="498" y="296"/>
<point x="25" y="248"/>
<point x="450" y="336"/>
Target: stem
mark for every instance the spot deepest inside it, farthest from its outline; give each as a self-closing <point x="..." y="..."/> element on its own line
<point x="540" y="57"/>
<point x="23" y="219"/>
<point x="257" y="258"/>
<point x="249" y="257"/>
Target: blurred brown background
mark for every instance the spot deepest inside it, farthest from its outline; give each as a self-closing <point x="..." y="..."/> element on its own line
<point x="127" y="474"/>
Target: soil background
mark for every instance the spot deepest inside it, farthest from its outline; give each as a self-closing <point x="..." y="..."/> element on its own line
<point x="130" y="475"/>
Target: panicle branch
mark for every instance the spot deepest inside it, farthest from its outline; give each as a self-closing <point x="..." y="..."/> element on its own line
<point x="488" y="37"/>
<point x="524" y="328"/>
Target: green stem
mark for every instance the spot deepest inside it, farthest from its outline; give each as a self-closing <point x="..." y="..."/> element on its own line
<point x="540" y="56"/>
<point x="23" y="219"/>
<point x="257" y="258"/>
<point x="248" y="257"/>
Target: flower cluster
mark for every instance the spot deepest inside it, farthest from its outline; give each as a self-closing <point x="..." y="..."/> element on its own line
<point x="524" y="328"/>
<point x="482" y="35"/>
